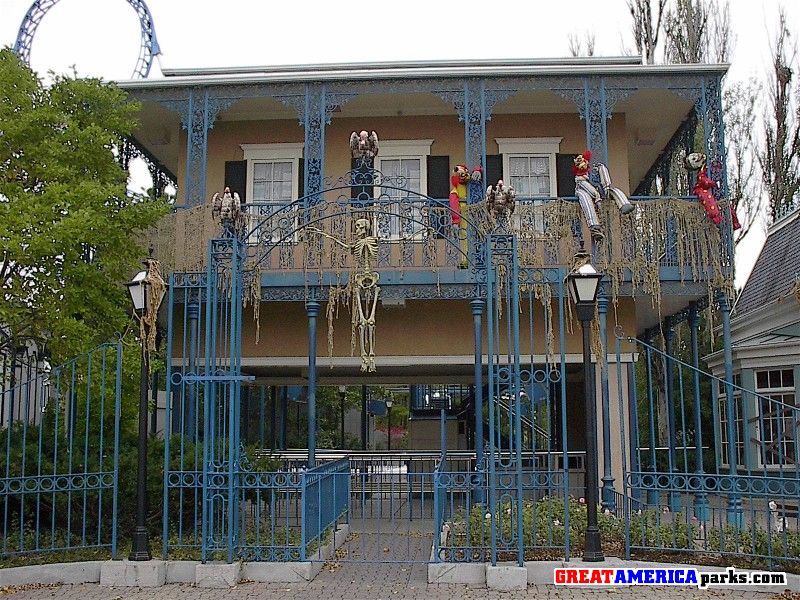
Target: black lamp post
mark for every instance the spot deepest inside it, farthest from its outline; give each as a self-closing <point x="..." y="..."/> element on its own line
<point x="342" y="394"/>
<point x="583" y="284"/>
<point x="389" y="403"/>
<point x="141" y="540"/>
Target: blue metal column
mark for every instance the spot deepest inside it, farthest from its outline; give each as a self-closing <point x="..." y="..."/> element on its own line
<point x="188" y="414"/>
<point x="652" y="491"/>
<point x="595" y="111"/>
<point x="490" y="328"/>
<point x="701" y="510"/>
<point x="735" y="511"/>
<point x="312" y="310"/>
<point x="284" y="416"/>
<point x="633" y="428"/>
<point x="477" y="312"/>
<point x="201" y="111"/>
<point x="314" y="120"/>
<point x="262" y="416"/>
<point x="669" y="388"/>
<point x="609" y="500"/>
<point x="475" y="133"/>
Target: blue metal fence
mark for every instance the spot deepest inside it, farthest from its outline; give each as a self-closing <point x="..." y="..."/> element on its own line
<point x="325" y="500"/>
<point x="726" y="498"/>
<point x="60" y="452"/>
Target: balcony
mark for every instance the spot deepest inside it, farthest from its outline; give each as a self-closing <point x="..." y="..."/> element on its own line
<point x="666" y="240"/>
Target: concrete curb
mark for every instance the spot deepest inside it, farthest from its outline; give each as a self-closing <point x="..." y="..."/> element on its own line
<point x="76" y="572"/>
<point x="133" y="573"/>
<point x="123" y="573"/>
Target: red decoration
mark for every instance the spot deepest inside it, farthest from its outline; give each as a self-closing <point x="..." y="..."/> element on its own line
<point x="702" y="189"/>
<point x="735" y="219"/>
<point x="458" y="191"/>
<point x="580" y="165"/>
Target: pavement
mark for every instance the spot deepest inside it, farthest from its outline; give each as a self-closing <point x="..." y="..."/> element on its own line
<point x="363" y="582"/>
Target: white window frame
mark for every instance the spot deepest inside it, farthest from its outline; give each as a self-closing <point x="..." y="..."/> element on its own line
<point x="538" y="147"/>
<point x="408" y="149"/>
<point x="741" y="432"/>
<point x="290" y="152"/>
<point x="525" y="147"/>
<point x="768" y="392"/>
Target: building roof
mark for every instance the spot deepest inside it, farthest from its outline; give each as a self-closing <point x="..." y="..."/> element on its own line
<point x="617" y="65"/>
<point x="776" y="270"/>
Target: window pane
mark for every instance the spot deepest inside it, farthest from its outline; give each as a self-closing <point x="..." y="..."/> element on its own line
<point x="390" y="168"/>
<point x="540" y="165"/>
<point x="788" y="378"/>
<point x="519" y="166"/>
<point x="762" y="379"/>
<point x="259" y="190"/>
<point x="283" y="171"/>
<point x="260" y="171"/>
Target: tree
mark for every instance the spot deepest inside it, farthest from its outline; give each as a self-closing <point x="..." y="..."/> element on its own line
<point x="744" y="179"/>
<point x="581" y="48"/>
<point x="67" y="224"/>
<point x="697" y="31"/>
<point x="779" y="157"/>
<point x="645" y="31"/>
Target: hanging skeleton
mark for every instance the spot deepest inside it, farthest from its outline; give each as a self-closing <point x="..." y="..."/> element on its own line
<point x="364" y="286"/>
<point x="589" y="196"/>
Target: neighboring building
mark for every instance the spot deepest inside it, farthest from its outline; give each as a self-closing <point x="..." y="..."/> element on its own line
<point x="765" y="340"/>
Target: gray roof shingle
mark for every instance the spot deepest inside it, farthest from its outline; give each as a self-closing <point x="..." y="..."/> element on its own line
<point x="776" y="269"/>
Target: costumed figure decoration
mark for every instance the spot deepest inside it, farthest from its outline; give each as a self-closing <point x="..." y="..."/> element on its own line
<point x="364" y="287"/>
<point x="228" y="210"/>
<point x="696" y="161"/>
<point x="589" y="196"/>
<point x="459" y="183"/>
<point x="364" y="145"/>
<point x="500" y="201"/>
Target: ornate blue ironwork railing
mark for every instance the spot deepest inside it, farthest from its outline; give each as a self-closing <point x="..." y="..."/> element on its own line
<point x="60" y="451"/>
<point x="664" y="239"/>
<point x="720" y="486"/>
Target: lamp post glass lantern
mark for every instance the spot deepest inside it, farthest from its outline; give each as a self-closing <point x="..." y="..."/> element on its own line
<point x="584" y="283"/>
<point x="140" y="549"/>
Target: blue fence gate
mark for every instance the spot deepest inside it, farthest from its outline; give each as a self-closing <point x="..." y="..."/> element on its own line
<point x="202" y="450"/>
<point x="515" y="504"/>
<point x="59" y="454"/>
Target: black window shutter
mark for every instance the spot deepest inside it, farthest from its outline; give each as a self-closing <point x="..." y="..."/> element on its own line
<point x="301" y="178"/>
<point x="494" y="169"/>
<point x="236" y="177"/>
<point x="362" y="168"/>
<point x="439" y="189"/>
<point x="565" y="179"/>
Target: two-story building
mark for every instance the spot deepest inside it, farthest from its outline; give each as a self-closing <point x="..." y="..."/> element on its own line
<point x="354" y="269"/>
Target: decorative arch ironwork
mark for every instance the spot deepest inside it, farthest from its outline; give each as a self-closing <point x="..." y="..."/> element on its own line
<point x="147" y="50"/>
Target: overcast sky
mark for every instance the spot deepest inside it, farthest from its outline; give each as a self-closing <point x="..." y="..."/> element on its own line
<point x="101" y="37"/>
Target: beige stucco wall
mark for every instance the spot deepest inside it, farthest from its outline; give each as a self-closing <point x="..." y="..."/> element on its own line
<point x="420" y="328"/>
<point x="447" y="132"/>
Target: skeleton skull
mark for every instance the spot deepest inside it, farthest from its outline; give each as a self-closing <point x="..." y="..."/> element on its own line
<point x="695" y="160"/>
<point x="362" y="228"/>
